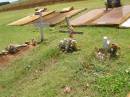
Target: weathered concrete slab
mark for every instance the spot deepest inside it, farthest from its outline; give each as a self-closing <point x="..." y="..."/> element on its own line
<point x="125" y="24"/>
<point x="51" y="17"/>
<point x="29" y="19"/>
<point x="88" y="17"/>
<point x="114" y="17"/>
<point x="67" y="9"/>
<point x="61" y="17"/>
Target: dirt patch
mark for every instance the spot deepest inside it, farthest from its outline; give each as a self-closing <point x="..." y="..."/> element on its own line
<point x="5" y="59"/>
<point x="128" y="95"/>
<point x="2" y="87"/>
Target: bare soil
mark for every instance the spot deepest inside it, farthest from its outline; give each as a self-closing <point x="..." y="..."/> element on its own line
<point x="6" y="59"/>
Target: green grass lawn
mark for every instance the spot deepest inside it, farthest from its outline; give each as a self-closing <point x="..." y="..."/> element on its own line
<point x="44" y="71"/>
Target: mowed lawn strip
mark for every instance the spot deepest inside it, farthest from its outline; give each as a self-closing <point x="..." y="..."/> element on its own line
<point x="44" y="71"/>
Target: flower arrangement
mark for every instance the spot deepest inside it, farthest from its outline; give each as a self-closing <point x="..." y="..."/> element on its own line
<point x="68" y="45"/>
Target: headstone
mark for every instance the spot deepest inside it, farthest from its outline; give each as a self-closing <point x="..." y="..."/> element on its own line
<point x="117" y="3"/>
<point x="39" y="24"/>
<point x="106" y="42"/>
<point x="113" y="3"/>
